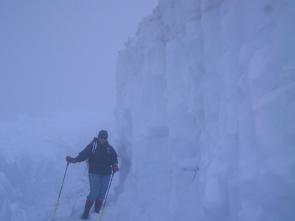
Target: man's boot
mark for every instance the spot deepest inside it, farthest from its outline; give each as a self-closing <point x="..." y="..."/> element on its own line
<point x="88" y="206"/>
<point x="98" y="204"/>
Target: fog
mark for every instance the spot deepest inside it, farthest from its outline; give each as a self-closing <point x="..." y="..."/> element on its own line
<point x="60" y="56"/>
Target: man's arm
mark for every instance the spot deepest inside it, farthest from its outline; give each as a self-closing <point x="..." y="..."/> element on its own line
<point x="83" y="155"/>
<point x="115" y="166"/>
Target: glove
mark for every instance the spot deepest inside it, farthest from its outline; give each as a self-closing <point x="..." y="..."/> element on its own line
<point x="115" y="168"/>
<point x="70" y="159"/>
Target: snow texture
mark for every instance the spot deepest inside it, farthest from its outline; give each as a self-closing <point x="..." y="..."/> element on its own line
<point x="205" y="112"/>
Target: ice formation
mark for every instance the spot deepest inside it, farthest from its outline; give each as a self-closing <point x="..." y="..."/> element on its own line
<point x="205" y="112"/>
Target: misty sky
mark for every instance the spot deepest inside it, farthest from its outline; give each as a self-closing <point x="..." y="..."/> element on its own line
<point x="59" y="56"/>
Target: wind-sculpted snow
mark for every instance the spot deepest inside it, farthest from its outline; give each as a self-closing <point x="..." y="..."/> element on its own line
<point x="209" y="85"/>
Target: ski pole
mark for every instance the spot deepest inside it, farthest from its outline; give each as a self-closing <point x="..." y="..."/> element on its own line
<point x="63" y="181"/>
<point x="105" y="198"/>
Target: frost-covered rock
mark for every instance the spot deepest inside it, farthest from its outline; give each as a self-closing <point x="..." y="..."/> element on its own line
<point x="210" y="85"/>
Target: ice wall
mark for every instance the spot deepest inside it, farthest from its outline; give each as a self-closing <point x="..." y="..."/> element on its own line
<point x="205" y="105"/>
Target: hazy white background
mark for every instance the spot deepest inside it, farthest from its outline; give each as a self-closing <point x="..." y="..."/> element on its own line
<point x="60" y="56"/>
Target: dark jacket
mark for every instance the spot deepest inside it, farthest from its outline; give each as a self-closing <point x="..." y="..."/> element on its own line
<point x="100" y="157"/>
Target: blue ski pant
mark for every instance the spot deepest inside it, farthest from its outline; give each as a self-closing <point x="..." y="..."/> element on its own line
<point x="98" y="186"/>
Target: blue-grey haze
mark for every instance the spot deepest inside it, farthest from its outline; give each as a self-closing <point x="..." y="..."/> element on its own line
<point x="60" y="55"/>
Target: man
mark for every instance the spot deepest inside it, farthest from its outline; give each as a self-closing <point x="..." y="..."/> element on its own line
<point x="102" y="163"/>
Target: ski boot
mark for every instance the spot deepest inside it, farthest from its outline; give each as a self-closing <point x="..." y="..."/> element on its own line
<point x="98" y="204"/>
<point x="88" y="206"/>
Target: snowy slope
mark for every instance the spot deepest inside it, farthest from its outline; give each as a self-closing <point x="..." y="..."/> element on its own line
<point x="208" y="84"/>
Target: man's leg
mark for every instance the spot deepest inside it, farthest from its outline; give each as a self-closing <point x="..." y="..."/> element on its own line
<point x="93" y="182"/>
<point x="98" y="204"/>
<point x="104" y="182"/>
<point x="87" y="208"/>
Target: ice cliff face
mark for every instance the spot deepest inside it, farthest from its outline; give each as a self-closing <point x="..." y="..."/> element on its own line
<point x="208" y="84"/>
